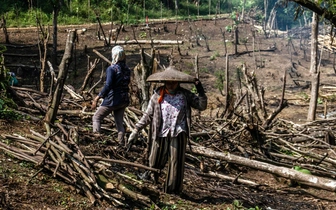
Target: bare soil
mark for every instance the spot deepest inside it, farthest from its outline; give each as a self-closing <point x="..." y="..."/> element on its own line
<point x="273" y="57"/>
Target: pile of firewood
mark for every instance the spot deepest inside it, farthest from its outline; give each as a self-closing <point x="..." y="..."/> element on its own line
<point x="62" y="156"/>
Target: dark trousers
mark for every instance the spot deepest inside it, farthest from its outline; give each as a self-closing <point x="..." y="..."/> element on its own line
<point x="171" y="150"/>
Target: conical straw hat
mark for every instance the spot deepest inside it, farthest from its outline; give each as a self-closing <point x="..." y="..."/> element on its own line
<point x="171" y="74"/>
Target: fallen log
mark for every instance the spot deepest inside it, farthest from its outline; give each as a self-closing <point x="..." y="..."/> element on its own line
<point x="20" y="55"/>
<point x="164" y="42"/>
<point x="310" y="180"/>
<point x="109" y="183"/>
<point x="19" y="46"/>
<point x="30" y="90"/>
<point x="217" y="175"/>
<point x="22" y="66"/>
<point x="98" y="158"/>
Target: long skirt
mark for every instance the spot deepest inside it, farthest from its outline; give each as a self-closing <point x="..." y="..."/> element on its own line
<point x="171" y="149"/>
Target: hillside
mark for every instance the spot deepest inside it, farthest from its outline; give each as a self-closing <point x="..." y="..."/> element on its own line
<point x="269" y="58"/>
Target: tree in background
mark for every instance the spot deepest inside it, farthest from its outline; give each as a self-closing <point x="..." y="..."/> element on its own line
<point x="327" y="10"/>
<point x="72" y="12"/>
<point x="314" y="69"/>
<point x="56" y="5"/>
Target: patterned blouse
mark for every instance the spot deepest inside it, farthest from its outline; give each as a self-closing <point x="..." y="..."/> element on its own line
<point x="173" y="109"/>
<point x="153" y="114"/>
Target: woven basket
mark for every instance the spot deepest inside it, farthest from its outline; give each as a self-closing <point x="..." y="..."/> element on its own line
<point x="171" y="74"/>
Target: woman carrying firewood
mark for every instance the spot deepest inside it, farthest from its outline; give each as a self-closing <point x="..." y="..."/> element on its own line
<point x="169" y="116"/>
<point x="115" y="94"/>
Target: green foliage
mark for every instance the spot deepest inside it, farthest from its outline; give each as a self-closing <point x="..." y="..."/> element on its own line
<point x="58" y="188"/>
<point x="187" y="71"/>
<point x="4" y="77"/>
<point x="238" y="205"/>
<point x="255" y="208"/>
<point x="304" y="96"/>
<point x="193" y="90"/>
<point x="220" y="77"/>
<point x="143" y="35"/>
<point x="228" y="28"/>
<point x="6" y="103"/>
<point x="332" y="98"/>
<point x="235" y="17"/>
<point x="294" y="183"/>
<point x="7" y="112"/>
<point x="302" y="170"/>
<point x="286" y="152"/>
<point x="214" y="56"/>
<point x="169" y="207"/>
<point x="204" y="70"/>
<point x="243" y="40"/>
<point x="189" y="8"/>
<point x="259" y="17"/>
<point x="249" y="4"/>
<point x="291" y="15"/>
<point x="197" y="139"/>
<point x="8" y="5"/>
<point x="26" y="164"/>
<point x="24" y="13"/>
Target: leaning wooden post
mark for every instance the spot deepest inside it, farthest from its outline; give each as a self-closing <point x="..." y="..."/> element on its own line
<point x="141" y="73"/>
<point x="101" y="28"/>
<point x="224" y="40"/>
<point x="236" y="39"/>
<point x="42" y="52"/>
<point x="91" y="67"/>
<point x="226" y="86"/>
<point x="196" y="67"/>
<point x="197" y="77"/>
<point x="62" y="74"/>
<point x="102" y="56"/>
<point x="4" y="28"/>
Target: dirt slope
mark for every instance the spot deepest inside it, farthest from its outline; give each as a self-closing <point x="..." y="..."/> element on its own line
<point x="273" y="58"/>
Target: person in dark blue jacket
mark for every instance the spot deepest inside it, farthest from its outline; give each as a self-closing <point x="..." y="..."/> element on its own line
<point x="115" y="94"/>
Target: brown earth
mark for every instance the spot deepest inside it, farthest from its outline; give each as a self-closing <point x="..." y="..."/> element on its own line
<point x="20" y="191"/>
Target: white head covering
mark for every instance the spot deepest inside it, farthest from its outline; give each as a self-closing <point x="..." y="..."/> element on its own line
<point x="118" y="54"/>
